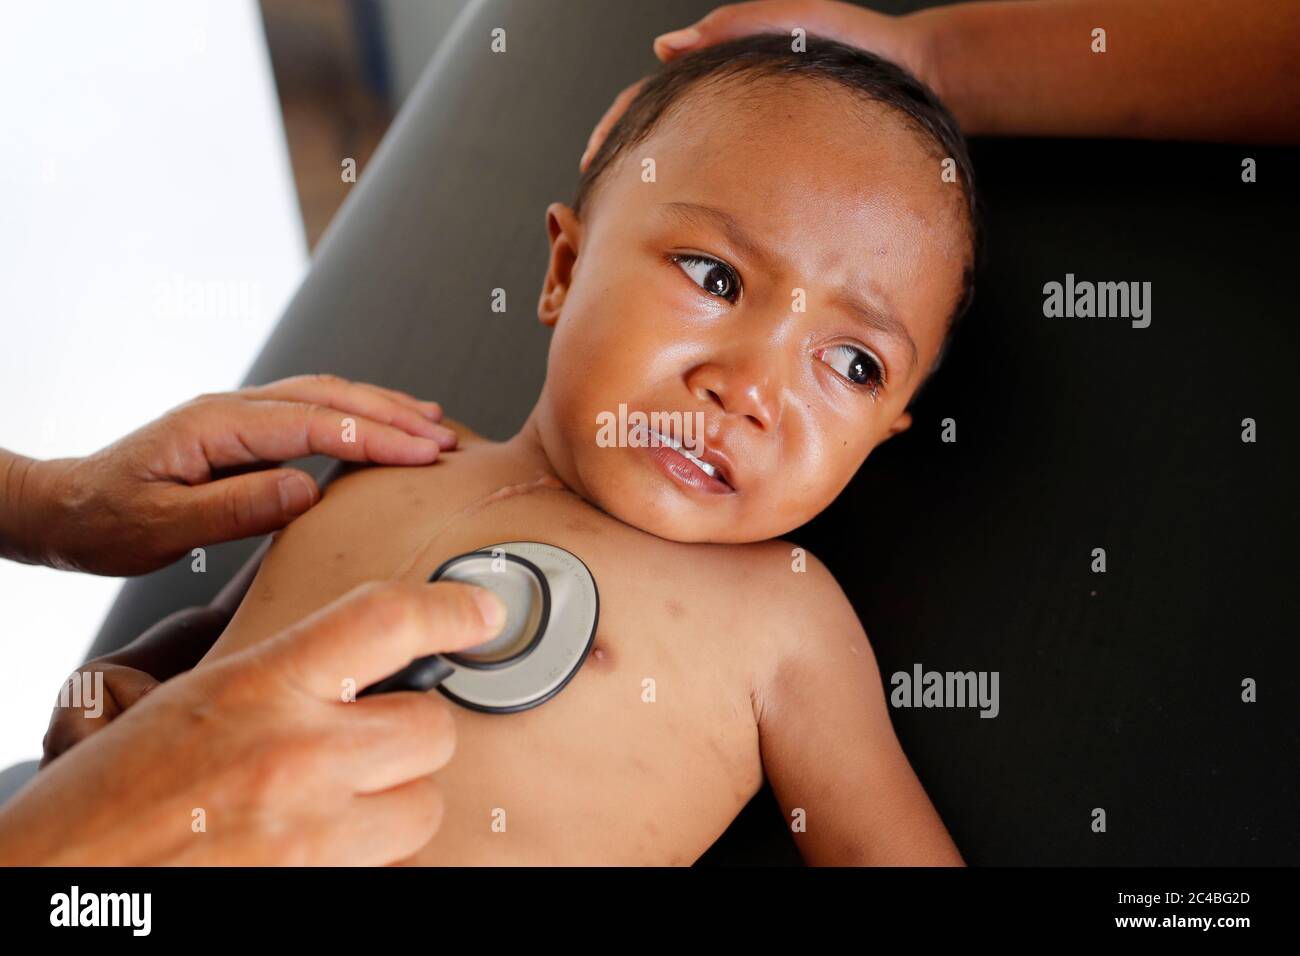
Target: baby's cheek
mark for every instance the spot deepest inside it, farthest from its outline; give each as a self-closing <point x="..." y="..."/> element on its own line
<point x="593" y="376"/>
<point x="800" y="499"/>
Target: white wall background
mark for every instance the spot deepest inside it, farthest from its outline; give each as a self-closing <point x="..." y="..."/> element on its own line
<point x="149" y="238"/>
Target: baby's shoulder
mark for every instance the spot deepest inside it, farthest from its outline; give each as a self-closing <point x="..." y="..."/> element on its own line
<point x="785" y="567"/>
<point x="774" y="586"/>
<point x="792" y="614"/>
<point x="463" y="432"/>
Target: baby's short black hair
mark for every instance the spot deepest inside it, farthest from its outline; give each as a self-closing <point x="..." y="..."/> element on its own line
<point x="772" y="54"/>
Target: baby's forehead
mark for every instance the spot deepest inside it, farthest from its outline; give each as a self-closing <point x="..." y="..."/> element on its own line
<point x="760" y="135"/>
<point x="751" y="107"/>
<point x="799" y="146"/>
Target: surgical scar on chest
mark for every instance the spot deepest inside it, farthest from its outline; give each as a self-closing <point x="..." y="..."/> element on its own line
<point x="511" y="491"/>
<point x="543" y="483"/>
<point x="600" y="657"/>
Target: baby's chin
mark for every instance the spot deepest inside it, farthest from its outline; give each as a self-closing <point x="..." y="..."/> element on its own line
<point x="621" y="482"/>
<point x="671" y="515"/>
<point x="686" y="529"/>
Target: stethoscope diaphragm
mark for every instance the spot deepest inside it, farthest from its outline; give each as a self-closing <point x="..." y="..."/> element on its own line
<point x="552" y="608"/>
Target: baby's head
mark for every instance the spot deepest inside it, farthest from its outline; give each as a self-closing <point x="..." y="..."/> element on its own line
<point x="769" y="243"/>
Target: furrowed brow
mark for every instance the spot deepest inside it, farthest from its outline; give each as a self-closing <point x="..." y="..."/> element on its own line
<point x="875" y="316"/>
<point x="883" y="321"/>
<point x="697" y="213"/>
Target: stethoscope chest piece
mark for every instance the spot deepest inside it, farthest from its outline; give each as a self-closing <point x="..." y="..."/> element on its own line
<point x="552" y="607"/>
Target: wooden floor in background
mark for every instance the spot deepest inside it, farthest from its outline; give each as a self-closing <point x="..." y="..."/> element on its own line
<point x="331" y="111"/>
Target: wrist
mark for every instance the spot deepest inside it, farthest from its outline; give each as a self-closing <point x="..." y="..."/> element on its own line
<point x="35" y="509"/>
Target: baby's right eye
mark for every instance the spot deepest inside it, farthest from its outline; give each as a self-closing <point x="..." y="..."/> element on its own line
<point x="711" y="275"/>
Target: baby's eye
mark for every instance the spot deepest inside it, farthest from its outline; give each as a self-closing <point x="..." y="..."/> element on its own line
<point x="858" y="366"/>
<point x="714" y="277"/>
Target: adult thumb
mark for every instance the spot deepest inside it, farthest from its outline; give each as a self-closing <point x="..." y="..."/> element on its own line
<point x="243" y="506"/>
<point x="378" y="628"/>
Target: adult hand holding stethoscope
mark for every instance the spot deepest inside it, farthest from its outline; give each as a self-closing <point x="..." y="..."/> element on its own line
<point x="263" y="757"/>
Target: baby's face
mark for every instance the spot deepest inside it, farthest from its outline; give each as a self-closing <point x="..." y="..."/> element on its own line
<point x="787" y="274"/>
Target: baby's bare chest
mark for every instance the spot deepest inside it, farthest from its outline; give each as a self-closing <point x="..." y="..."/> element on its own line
<point x="671" y="620"/>
<point x="657" y="723"/>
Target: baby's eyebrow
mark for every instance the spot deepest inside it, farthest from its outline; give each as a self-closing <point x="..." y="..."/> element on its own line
<point x="693" y="212"/>
<point x="883" y="320"/>
<point x="872" y="312"/>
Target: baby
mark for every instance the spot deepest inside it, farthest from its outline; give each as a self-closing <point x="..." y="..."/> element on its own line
<point x="772" y="244"/>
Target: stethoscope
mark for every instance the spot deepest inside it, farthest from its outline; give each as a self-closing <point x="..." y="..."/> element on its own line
<point x="552" y="607"/>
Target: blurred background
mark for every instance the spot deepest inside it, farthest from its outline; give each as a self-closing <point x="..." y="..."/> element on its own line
<point x="342" y="68"/>
<point x="164" y="176"/>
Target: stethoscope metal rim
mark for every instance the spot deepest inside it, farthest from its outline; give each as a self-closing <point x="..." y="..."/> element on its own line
<point x="544" y="616"/>
<point x="537" y="643"/>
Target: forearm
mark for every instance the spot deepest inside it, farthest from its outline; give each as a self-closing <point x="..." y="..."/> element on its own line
<point x="32" y="510"/>
<point x="1219" y="70"/>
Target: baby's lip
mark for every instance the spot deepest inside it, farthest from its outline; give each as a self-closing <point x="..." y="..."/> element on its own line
<point x="715" y="457"/>
<point x="719" y="460"/>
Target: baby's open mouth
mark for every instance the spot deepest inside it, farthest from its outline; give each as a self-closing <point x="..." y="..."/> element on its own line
<point x="713" y="470"/>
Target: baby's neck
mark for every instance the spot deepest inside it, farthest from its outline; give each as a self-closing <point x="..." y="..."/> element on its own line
<point x="524" y="460"/>
<point x="525" y="466"/>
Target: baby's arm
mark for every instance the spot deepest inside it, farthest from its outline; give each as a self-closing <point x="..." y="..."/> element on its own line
<point x="829" y="748"/>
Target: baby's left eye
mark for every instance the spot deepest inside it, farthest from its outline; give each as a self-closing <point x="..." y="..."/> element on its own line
<point x="858" y="366"/>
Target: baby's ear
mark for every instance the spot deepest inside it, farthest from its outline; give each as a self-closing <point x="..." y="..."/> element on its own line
<point x="901" y="424"/>
<point x="564" y="231"/>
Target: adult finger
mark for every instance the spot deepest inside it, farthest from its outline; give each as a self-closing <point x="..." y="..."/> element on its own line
<point x="118" y="689"/>
<point x="382" y="828"/>
<point x="67" y="728"/>
<point x="233" y="508"/>
<point x="723" y="23"/>
<point x="333" y="392"/>
<point x="612" y="115"/>
<point x="385" y="740"/>
<point x="430" y="409"/>
<point x="377" y="629"/>
<point x="241" y="432"/>
<point x="734" y="20"/>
